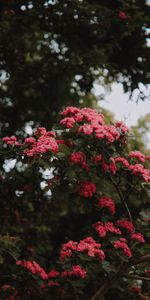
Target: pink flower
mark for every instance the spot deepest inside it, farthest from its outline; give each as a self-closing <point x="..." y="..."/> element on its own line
<point x="107" y="202"/>
<point x="120" y="125"/>
<point x="125" y="224"/>
<point x="70" y="110"/>
<point x="68" y="122"/>
<point x="139" y="170"/>
<point x="53" y="283"/>
<point x="122" y="15"/>
<point x="67" y="249"/>
<point x="122" y="244"/>
<point x="91" y="247"/>
<point x="33" y="267"/>
<point x="78" y="271"/>
<point x="138" y="237"/>
<point x="86" y="188"/>
<point x="79" y="158"/>
<point x="86" y="129"/>
<point x="42" y="145"/>
<point x="53" y="273"/>
<point x="97" y="158"/>
<point x="102" y="228"/>
<point x="30" y="140"/>
<point x="12" y="140"/>
<point x="122" y="161"/>
<point x="138" y="155"/>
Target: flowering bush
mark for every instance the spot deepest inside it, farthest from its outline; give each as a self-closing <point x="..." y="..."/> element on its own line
<point x="97" y="187"/>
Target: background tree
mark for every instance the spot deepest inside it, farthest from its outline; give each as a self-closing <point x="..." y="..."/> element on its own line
<point x="52" y="51"/>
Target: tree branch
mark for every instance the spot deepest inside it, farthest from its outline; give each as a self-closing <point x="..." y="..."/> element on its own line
<point x="134" y="276"/>
<point x="122" y="200"/>
<point x="109" y="282"/>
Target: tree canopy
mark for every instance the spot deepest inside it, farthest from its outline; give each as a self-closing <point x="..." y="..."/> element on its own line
<point x="52" y="51"/>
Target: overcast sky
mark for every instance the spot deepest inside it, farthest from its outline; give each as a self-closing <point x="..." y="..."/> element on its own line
<point x="124" y="109"/>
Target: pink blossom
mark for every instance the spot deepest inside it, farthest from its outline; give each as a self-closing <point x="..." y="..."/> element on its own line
<point x="97" y="158"/>
<point x="44" y="144"/>
<point x="102" y="228"/>
<point x="120" y="125"/>
<point x="107" y="202"/>
<point x="138" y="237"/>
<point x="86" y="129"/>
<point x="68" y="122"/>
<point x="122" y="161"/>
<point x="53" y="273"/>
<point x="122" y="15"/>
<point x="78" y="271"/>
<point x="139" y="170"/>
<point x="86" y="188"/>
<point x="79" y="158"/>
<point x="138" y="155"/>
<point x="70" y="110"/>
<point x="12" y="140"/>
<point x="33" y="267"/>
<point x="125" y="224"/>
<point x="122" y="244"/>
<point x="30" y="140"/>
<point x="67" y="249"/>
<point x="53" y="283"/>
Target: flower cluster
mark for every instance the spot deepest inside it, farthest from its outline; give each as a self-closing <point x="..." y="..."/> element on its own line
<point x="33" y="267"/>
<point x="137" y="237"/>
<point x="92" y="123"/>
<point x="107" y="202"/>
<point x="139" y="170"/>
<point x="88" y="245"/>
<point x="86" y="189"/>
<point x="102" y="228"/>
<point x="137" y="155"/>
<point x="79" y="158"/>
<point x="12" y="140"/>
<point x="46" y="142"/>
<point x="125" y="224"/>
<point x="76" y="271"/>
<point x="122" y="244"/>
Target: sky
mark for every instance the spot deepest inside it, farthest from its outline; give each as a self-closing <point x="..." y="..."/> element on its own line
<point x="119" y="104"/>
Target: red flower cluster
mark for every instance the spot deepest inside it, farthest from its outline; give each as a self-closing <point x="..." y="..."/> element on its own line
<point x="94" y="124"/>
<point x="76" y="271"/>
<point x="86" y="188"/>
<point x="45" y="143"/>
<point x="138" y="155"/>
<point x="102" y="228"/>
<point x="122" y="244"/>
<point x="79" y="158"/>
<point x="139" y="170"/>
<point x="12" y="140"/>
<point x="33" y="267"/>
<point x="107" y="202"/>
<point x="122" y="15"/>
<point x="125" y="224"/>
<point x="138" y="237"/>
<point x="122" y="161"/>
<point x="88" y="245"/>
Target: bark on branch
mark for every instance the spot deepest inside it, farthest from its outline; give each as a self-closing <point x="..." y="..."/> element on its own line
<point x="110" y="281"/>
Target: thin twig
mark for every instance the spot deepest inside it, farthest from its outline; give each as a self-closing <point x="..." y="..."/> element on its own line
<point x="133" y="276"/>
<point x="122" y="200"/>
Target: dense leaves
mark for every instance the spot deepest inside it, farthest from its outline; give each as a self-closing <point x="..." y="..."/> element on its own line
<point x="52" y="51"/>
